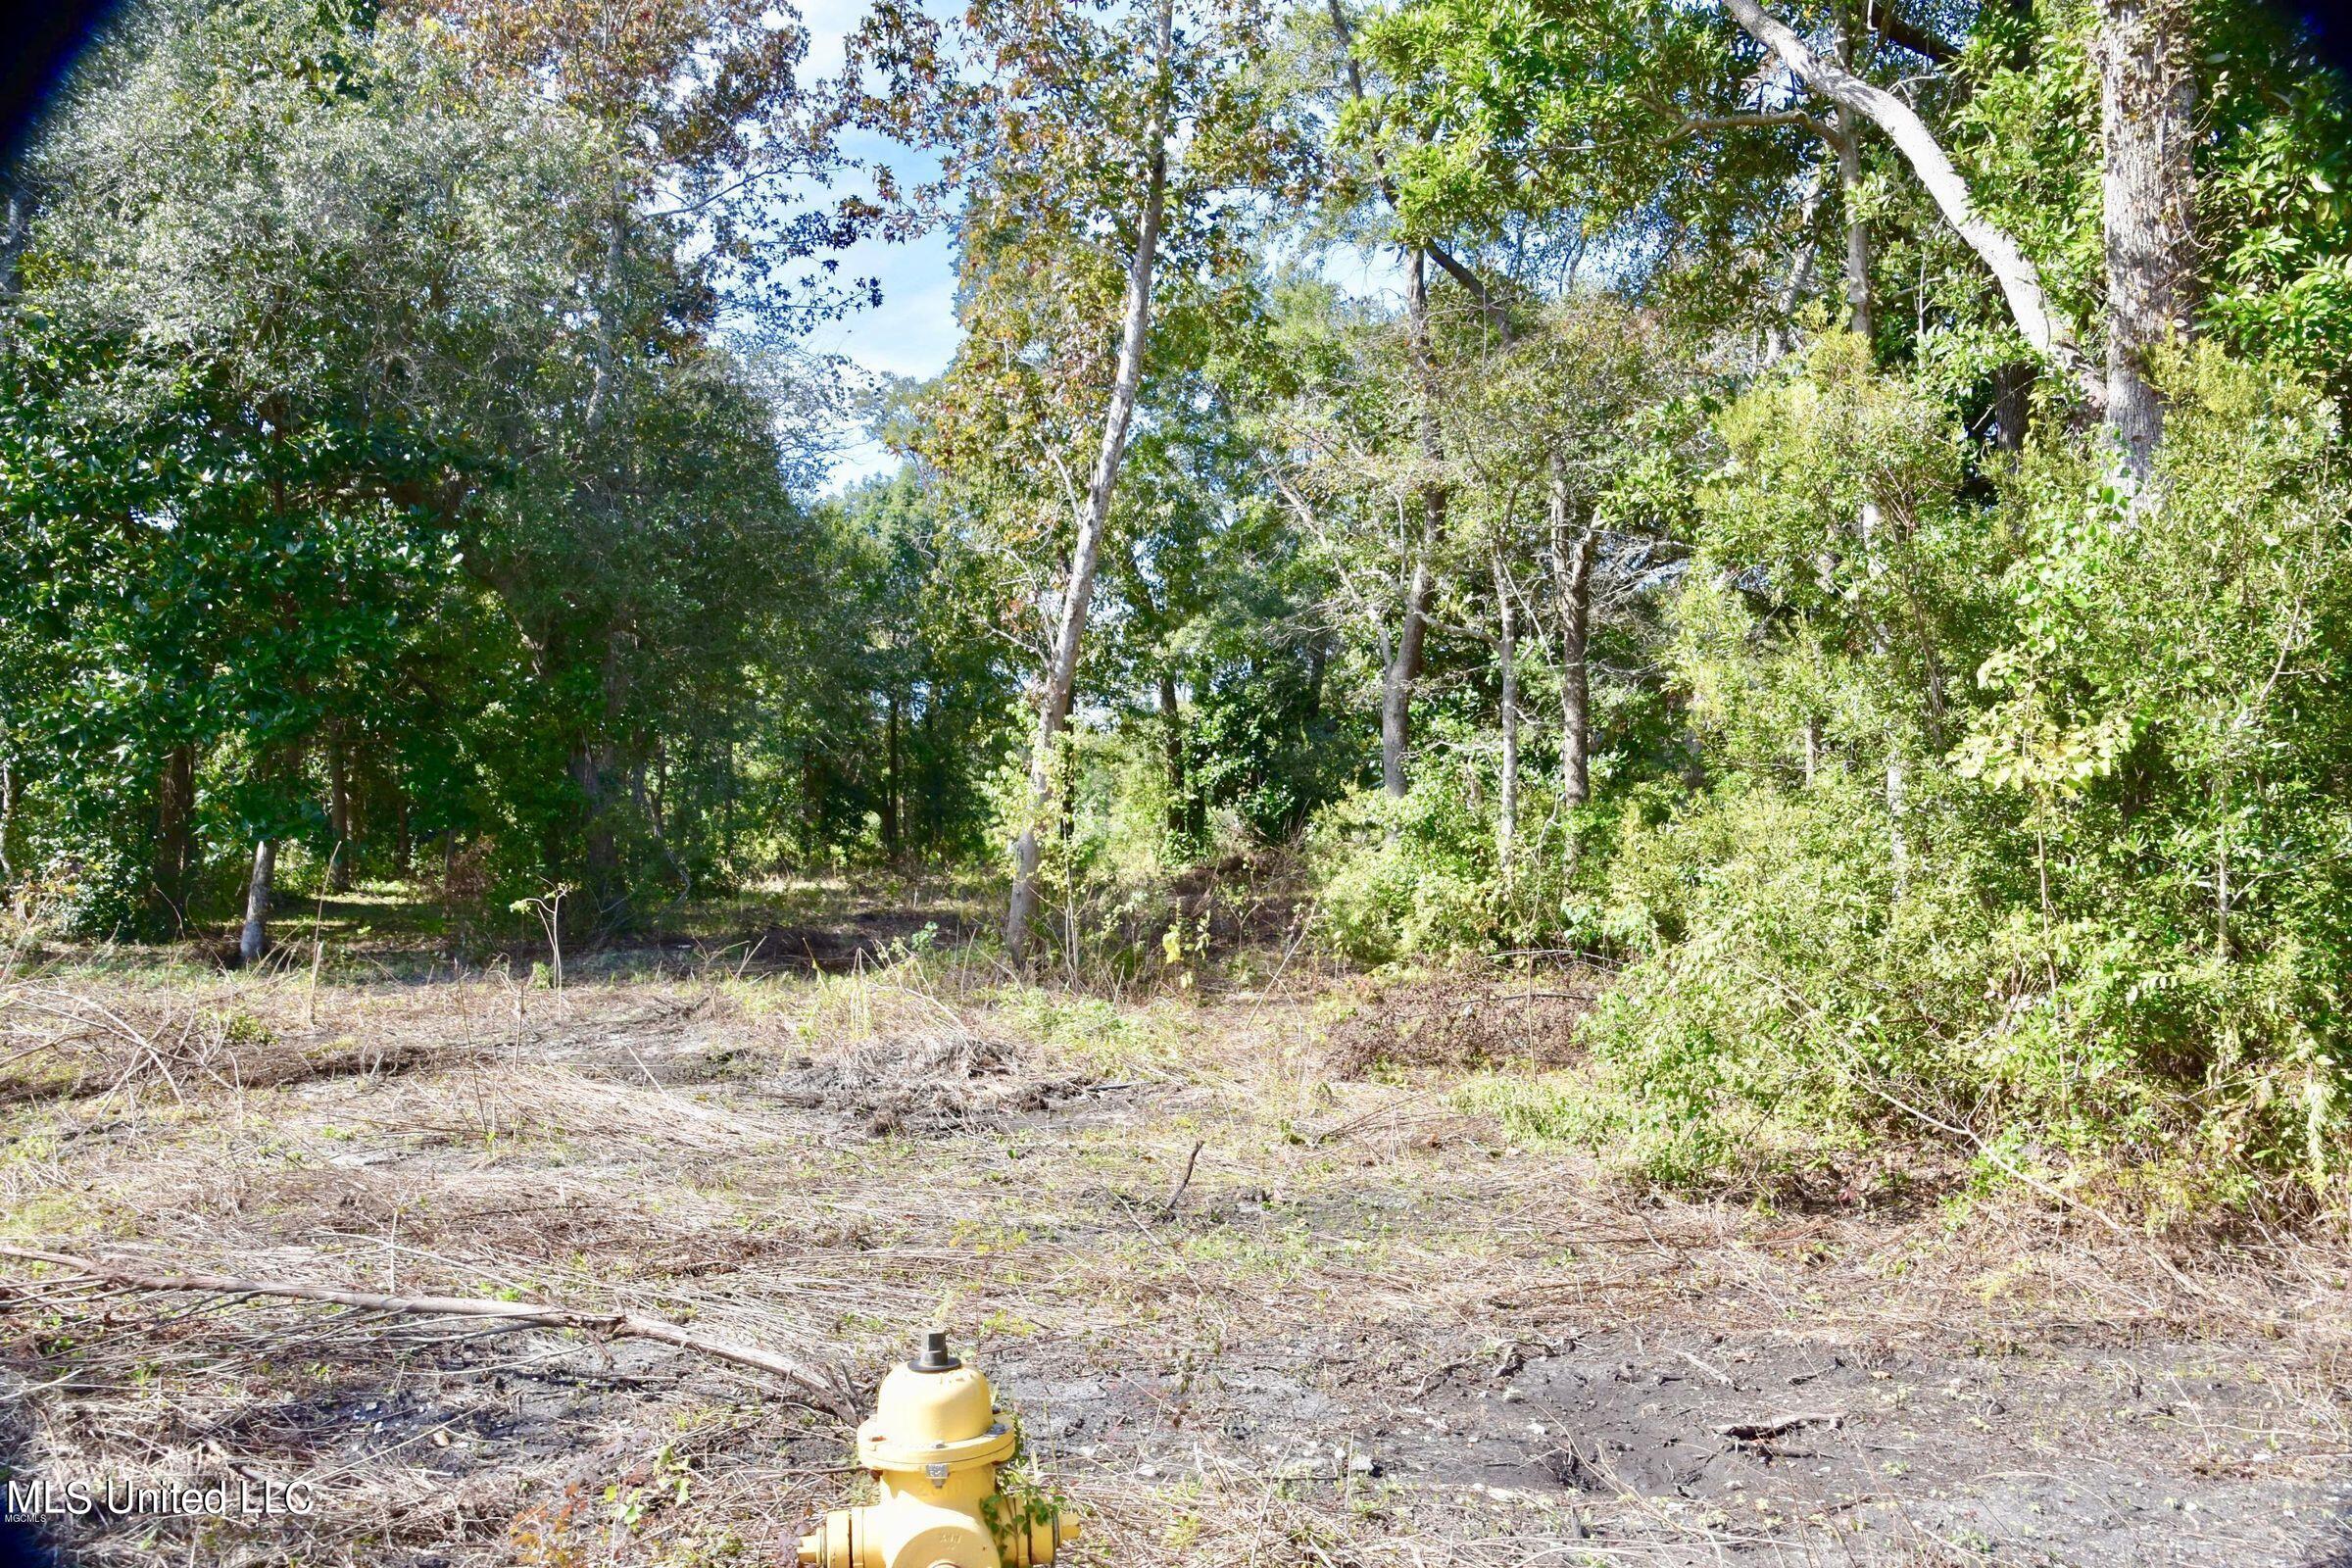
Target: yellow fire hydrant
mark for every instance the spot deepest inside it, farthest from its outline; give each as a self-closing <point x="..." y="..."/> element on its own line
<point x="934" y="1444"/>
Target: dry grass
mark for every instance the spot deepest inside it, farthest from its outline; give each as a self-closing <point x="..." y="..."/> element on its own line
<point x="1372" y="1331"/>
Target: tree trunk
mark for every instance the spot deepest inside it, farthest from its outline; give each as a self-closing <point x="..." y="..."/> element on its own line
<point x="928" y="797"/>
<point x="2013" y="383"/>
<point x="1061" y="674"/>
<point x="1396" y="682"/>
<point x="338" y="810"/>
<point x="1899" y="849"/>
<point x="1404" y="665"/>
<point x="726" y="803"/>
<point x="1857" y="236"/>
<point x="599" y="771"/>
<point x="1898" y="845"/>
<point x="254" y="942"/>
<point x="8" y="817"/>
<point x="16" y="233"/>
<point x="1777" y="339"/>
<point x="1848" y="140"/>
<point x="2019" y="279"/>
<point x="2147" y="106"/>
<point x="890" y="783"/>
<point x="2012" y="407"/>
<point x="175" y="836"/>
<point x="1857" y="296"/>
<point x="1571" y="576"/>
<point x="1507" y="658"/>
<point x="1171" y="734"/>
<point x="606" y="347"/>
<point x="595" y="769"/>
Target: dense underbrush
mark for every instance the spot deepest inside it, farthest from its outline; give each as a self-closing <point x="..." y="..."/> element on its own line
<point x="2045" y="861"/>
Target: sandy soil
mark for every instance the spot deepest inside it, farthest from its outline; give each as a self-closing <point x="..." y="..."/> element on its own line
<point x="1369" y="1329"/>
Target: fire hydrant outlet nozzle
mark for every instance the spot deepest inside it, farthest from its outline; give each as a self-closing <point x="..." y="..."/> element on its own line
<point x="934" y="1445"/>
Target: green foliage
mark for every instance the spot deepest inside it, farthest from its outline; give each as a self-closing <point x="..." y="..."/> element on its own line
<point x="407" y="462"/>
<point x="380" y="478"/>
<point x="1410" y="877"/>
<point x="2276" y="198"/>
<point x="2108" y="926"/>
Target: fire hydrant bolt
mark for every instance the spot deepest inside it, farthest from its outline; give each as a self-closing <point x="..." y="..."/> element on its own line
<point x="934" y="1445"/>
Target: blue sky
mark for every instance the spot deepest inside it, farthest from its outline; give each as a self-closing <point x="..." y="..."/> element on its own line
<point x="914" y="331"/>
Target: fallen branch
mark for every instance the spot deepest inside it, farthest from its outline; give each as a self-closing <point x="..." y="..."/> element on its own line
<point x="1780" y="1426"/>
<point x="2054" y="1195"/>
<point x="825" y="1389"/>
<point x="1318" y="1139"/>
<point x="1168" y="1209"/>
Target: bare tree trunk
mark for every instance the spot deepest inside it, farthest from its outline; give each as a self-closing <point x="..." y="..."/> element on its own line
<point x="598" y="769"/>
<point x="1572" y="577"/>
<point x="254" y="942"/>
<point x="2147" y="107"/>
<point x="890" y="790"/>
<point x="1405" y="667"/>
<point x="2012" y="407"/>
<point x="2018" y="278"/>
<point x="1396" y="683"/>
<point x="606" y="347"/>
<point x="1403" y="662"/>
<point x="1061" y="674"/>
<point x="2013" y="383"/>
<point x="1898" y="803"/>
<point x="1507" y="658"/>
<point x="1899" y="849"/>
<point x="1849" y="198"/>
<point x="1778" y="340"/>
<point x="1171" y="735"/>
<point x="7" y="816"/>
<point x="1857" y="295"/>
<point x="727" y="824"/>
<point x="16" y="233"/>
<point x="175" y="834"/>
<point x="595" y="768"/>
<point x="339" y="809"/>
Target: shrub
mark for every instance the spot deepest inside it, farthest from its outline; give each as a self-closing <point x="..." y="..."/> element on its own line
<point x="1403" y="878"/>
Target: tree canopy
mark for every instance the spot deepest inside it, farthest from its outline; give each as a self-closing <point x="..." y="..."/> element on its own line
<point x="1837" y="511"/>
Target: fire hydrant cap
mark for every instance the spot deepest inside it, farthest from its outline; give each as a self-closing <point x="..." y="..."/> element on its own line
<point x="925" y="1417"/>
<point x="935" y="1356"/>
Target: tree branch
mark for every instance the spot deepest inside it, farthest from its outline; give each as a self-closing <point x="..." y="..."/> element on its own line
<point x="1388" y="186"/>
<point x="1759" y="116"/>
<point x="1995" y="247"/>
<point x="1898" y="29"/>
<point x="824" y="1390"/>
<point x="1479" y="292"/>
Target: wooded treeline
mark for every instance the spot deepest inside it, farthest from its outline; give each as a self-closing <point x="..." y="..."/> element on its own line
<point x="409" y="460"/>
<point x="1838" y="509"/>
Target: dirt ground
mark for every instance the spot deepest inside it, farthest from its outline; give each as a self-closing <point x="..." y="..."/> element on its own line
<point x="1369" y="1329"/>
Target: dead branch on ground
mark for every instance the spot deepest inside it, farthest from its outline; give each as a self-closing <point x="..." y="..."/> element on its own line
<point x="827" y="1389"/>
